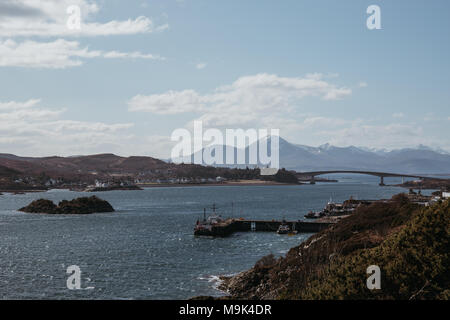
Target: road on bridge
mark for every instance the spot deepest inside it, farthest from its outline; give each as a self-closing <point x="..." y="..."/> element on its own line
<point x="312" y="174"/>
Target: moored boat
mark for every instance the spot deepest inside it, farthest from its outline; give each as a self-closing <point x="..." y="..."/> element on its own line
<point x="205" y="227"/>
<point x="284" y="228"/>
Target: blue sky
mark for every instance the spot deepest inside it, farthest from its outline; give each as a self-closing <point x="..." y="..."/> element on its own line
<point x="137" y="70"/>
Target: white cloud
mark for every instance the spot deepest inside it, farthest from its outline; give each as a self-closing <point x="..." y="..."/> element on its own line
<point x="13" y="105"/>
<point x="247" y="100"/>
<point x="398" y="115"/>
<point x="270" y="101"/>
<point x="171" y="102"/>
<point x="322" y="122"/>
<point x="362" y="133"/>
<point x="43" y="131"/>
<point x="362" y="84"/>
<point x="57" y="54"/>
<point x="336" y="93"/>
<point x="26" y="128"/>
<point x="49" y="19"/>
<point x="201" y="65"/>
<point x="133" y="55"/>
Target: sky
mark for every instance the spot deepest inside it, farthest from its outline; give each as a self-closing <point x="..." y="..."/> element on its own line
<point x="137" y="70"/>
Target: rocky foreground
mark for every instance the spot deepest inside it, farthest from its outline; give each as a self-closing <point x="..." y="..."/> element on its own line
<point x="409" y="243"/>
<point x="77" y="206"/>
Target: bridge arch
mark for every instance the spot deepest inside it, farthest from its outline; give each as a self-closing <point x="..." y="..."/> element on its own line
<point x="312" y="174"/>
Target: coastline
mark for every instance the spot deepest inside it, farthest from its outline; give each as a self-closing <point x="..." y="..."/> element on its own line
<point x="378" y="237"/>
<point x="221" y="184"/>
<point x="241" y="183"/>
<point x="430" y="184"/>
<point x="22" y="191"/>
<point x="213" y="275"/>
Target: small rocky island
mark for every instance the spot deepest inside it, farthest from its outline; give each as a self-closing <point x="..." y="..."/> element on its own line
<point x="83" y="205"/>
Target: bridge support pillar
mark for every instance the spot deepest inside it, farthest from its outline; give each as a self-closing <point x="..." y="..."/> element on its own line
<point x="382" y="181"/>
<point x="312" y="181"/>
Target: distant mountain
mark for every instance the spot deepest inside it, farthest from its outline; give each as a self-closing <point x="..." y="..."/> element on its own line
<point x="421" y="160"/>
<point x="98" y="165"/>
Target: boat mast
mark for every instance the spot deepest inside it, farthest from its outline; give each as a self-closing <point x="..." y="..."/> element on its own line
<point x="232" y="209"/>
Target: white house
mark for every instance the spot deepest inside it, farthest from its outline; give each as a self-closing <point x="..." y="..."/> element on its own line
<point x="445" y="195"/>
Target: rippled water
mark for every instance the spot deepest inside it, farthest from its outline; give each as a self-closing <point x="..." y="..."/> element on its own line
<point x="146" y="249"/>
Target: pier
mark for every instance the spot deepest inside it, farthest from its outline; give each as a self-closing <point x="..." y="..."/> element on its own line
<point x="231" y="226"/>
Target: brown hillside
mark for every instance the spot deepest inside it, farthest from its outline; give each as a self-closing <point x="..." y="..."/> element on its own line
<point x="79" y="166"/>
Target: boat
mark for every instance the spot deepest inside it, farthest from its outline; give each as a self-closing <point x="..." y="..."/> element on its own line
<point x="205" y="226"/>
<point x="314" y="215"/>
<point x="284" y="228"/>
<point x="337" y="209"/>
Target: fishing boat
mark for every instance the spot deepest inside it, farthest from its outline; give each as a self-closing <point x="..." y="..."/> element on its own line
<point x="205" y="226"/>
<point x="337" y="209"/>
<point x="284" y="228"/>
<point x="314" y="215"/>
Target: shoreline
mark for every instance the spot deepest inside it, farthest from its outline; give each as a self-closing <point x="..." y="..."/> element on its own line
<point x="22" y="191"/>
<point x="242" y="183"/>
<point x="426" y="185"/>
<point x="219" y="184"/>
<point x="273" y="278"/>
<point x="141" y="187"/>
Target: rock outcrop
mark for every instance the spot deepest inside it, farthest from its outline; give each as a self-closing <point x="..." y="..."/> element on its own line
<point x="77" y="206"/>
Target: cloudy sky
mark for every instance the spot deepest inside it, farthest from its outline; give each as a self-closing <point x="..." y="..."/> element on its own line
<point x="137" y="70"/>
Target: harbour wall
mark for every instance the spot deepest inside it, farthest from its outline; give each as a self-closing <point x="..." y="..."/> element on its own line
<point x="229" y="227"/>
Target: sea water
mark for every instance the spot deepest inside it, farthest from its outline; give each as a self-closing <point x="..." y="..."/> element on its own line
<point x="146" y="249"/>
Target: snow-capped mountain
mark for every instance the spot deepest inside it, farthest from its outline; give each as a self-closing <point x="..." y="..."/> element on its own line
<point x="422" y="159"/>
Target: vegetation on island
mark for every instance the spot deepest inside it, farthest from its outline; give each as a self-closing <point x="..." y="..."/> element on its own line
<point x="283" y="176"/>
<point x="83" y="205"/>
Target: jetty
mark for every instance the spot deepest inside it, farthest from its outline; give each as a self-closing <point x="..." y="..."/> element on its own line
<point x="227" y="227"/>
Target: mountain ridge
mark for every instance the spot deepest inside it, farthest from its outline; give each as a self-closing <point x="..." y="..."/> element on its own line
<point x="299" y="157"/>
<point x="423" y="160"/>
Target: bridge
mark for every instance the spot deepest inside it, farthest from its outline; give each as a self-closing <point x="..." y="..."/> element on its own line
<point x="312" y="174"/>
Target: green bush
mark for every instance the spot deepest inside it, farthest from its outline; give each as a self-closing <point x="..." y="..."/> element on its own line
<point x="414" y="264"/>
